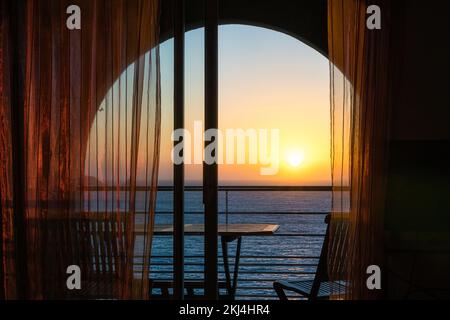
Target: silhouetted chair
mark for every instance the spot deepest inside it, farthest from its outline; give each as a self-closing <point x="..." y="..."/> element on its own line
<point x="92" y="244"/>
<point x="321" y="287"/>
<point x="101" y="245"/>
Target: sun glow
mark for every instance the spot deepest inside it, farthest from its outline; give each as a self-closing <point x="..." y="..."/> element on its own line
<point x="295" y="158"/>
<point x="297" y="104"/>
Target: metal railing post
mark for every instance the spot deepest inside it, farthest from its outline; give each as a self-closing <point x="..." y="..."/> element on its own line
<point x="226" y="207"/>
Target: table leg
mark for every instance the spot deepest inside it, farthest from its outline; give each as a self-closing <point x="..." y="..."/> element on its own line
<point x="231" y="283"/>
<point x="236" y="265"/>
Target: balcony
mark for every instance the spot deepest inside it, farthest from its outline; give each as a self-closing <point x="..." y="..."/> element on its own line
<point x="290" y="253"/>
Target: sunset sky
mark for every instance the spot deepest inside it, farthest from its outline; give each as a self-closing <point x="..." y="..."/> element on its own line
<point x="267" y="80"/>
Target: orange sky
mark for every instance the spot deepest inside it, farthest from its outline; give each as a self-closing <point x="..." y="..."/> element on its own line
<point x="267" y="80"/>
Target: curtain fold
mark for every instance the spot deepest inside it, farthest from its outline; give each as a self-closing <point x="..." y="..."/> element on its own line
<point x="360" y="70"/>
<point x="90" y="100"/>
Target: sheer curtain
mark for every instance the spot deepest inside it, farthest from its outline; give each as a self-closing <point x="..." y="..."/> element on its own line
<point x="80" y="109"/>
<point x="360" y="68"/>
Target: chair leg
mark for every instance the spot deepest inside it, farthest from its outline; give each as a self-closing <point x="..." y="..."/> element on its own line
<point x="279" y="290"/>
<point x="190" y="293"/>
<point x="165" y="293"/>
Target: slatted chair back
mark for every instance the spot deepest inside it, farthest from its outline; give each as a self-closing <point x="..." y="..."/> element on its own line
<point x="95" y="245"/>
<point x="104" y="242"/>
<point x="332" y="268"/>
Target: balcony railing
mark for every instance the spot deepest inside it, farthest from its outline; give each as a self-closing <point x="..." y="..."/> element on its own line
<point x="291" y="253"/>
<point x="265" y="261"/>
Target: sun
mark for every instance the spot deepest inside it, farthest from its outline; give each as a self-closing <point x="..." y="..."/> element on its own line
<point x="294" y="158"/>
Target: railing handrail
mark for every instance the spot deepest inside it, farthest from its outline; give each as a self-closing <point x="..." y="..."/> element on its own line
<point x="220" y="188"/>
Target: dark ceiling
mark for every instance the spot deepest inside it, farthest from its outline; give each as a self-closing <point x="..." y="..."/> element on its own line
<point x="305" y="20"/>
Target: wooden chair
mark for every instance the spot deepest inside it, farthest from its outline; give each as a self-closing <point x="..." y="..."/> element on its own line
<point x="92" y="244"/>
<point x="321" y="287"/>
<point x="99" y="240"/>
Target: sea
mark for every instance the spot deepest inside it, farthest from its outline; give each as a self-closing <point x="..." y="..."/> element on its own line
<point x="290" y="254"/>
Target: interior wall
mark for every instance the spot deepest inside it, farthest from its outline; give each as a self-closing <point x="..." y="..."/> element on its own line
<point x="418" y="206"/>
